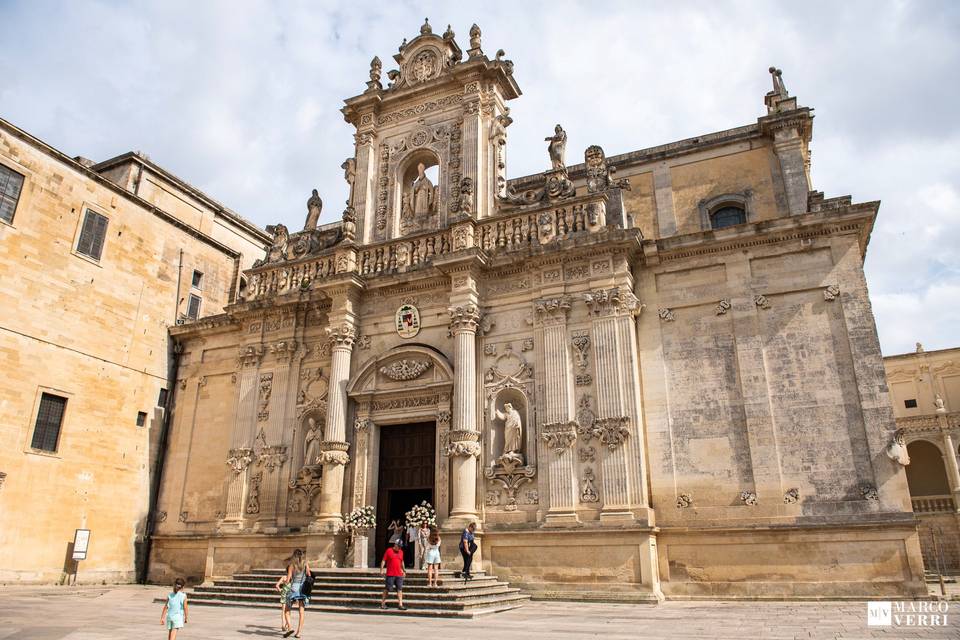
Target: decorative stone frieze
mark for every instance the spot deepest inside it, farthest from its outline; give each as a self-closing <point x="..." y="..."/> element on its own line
<point x="559" y="436"/>
<point x="406" y="369"/>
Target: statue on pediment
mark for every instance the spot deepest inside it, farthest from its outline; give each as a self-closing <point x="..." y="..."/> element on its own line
<point x="557" y="148"/>
<point x="314" y="207"/>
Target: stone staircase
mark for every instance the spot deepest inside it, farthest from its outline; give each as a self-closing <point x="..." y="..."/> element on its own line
<point x="359" y="591"/>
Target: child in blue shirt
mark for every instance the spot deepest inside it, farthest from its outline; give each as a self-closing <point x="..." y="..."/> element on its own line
<point x="174" y="613"/>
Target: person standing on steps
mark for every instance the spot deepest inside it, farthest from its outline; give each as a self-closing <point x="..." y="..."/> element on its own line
<point x="410" y="547"/>
<point x="467" y="548"/>
<point x="432" y="558"/>
<point x="297" y="572"/>
<point x="174" y="613"/>
<point x="423" y="535"/>
<point x="392" y="567"/>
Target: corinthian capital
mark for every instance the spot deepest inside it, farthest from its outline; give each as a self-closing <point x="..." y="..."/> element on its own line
<point x="552" y="310"/>
<point x="612" y="302"/>
<point x="464" y="318"/>
<point x="342" y="336"/>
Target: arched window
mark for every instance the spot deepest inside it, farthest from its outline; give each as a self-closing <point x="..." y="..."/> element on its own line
<point x="926" y="475"/>
<point x="727" y="216"/>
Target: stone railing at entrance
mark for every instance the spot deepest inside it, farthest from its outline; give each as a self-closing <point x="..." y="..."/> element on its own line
<point x="933" y="504"/>
<point x="524" y="228"/>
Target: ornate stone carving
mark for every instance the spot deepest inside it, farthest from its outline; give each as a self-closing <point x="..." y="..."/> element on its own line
<point x="791" y="496"/>
<point x="272" y="457"/>
<point x="184" y="515"/>
<point x="612" y="301"/>
<point x="462" y="448"/>
<point x="444" y="419"/>
<point x="278" y="250"/>
<point x="263" y="399"/>
<point x="250" y="355"/>
<point x="304" y="489"/>
<point x="588" y="491"/>
<point x="585" y="416"/>
<point x="611" y="431"/>
<point x="831" y="293"/>
<point x="314" y="206"/>
<point x="666" y="315"/>
<point x="510" y="474"/>
<point x="406" y="369"/>
<point x="333" y="452"/>
<point x="532" y="497"/>
<point x="761" y="301"/>
<point x="362" y="425"/>
<point x="239" y="459"/>
<point x="527" y="344"/>
<point x="868" y="492"/>
<point x="581" y="344"/>
<point x="492" y="498"/>
<point x="587" y="454"/>
<point x="552" y="310"/>
<point x="897" y="449"/>
<point x="253" y="495"/>
<point x="559" y="436"/>
<point x="161" y="516"/>
<point x="684" y="500"/>
<point x="583" y="379"/>
<point x="311" y="443"/>
<point x="363" y="342"/>
<point x="464" y="318"/>
<point x="748" y="498"/>
<point x="601" y="176"/>
<point x="722" y="307"/>
<point x="376" y="68"/>
<point x="342" y="336"/>
<point x="383" y="182"/>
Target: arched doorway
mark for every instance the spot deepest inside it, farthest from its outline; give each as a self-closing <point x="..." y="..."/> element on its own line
<point x="926" y="474"/>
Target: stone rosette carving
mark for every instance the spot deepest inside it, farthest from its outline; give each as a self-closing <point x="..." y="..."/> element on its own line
<point x="748" y="498"/>
<point x="684" y="500"/>
<point x="464" y="318"/>
<point x="791" y="496"/>
<point x="612" y="301"/>
<point x="869" y="492"/>
<point x="559" y="436"/>
<point x="239" y="459"/>
<point x="406" y="369"/>
<point x="333" y="452"/>
<point x="831" y="293"/>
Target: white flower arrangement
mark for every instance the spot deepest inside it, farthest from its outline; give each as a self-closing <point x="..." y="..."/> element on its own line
<point x="422" y="513"/>
<point x="359" y="520"/>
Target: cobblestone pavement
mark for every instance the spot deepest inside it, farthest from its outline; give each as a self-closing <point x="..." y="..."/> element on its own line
<point x="92" y="613"/>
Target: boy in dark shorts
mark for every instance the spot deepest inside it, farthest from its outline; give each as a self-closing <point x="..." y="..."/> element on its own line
<point x="392" y="567"/>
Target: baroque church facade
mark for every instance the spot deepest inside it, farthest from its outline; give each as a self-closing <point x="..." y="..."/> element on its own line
<point x="652" y="374"/>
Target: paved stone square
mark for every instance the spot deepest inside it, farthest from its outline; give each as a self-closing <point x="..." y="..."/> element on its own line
<point x="90" y="613"/>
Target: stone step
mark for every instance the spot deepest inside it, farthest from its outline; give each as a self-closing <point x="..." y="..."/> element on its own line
<point x="448" y="583"/>
<point x="373" y="601"/>
<point x="390" y="610"/>
<point x="321" y="589"/>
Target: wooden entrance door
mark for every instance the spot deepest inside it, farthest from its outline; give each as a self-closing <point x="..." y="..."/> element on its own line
<point x="407" y="462"/>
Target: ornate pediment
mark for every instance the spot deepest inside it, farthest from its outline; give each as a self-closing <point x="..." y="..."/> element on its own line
<point x="425" y="58"/>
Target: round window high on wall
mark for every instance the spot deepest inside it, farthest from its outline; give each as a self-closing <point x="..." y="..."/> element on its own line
<point x="727" y="216"/>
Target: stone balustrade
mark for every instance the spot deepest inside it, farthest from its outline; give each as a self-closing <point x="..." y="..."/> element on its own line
<point x="933" y="504"/>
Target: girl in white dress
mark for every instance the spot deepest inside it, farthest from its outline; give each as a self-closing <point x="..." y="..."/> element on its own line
<point x="432" y="558"/>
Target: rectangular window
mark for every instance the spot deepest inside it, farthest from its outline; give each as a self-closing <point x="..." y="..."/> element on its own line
<point x="910" y="404"/>
<point x="11" y="183"/>
<point x="46" y="432"/>
<point x="162" y="398"/>
<point x="197" y="279"/>
<point x="92" y="234"/>
<point x="193" y="307"/>
<point x="141" y="418"/>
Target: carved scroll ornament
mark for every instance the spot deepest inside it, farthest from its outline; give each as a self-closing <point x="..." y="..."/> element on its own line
<point x="406" y="369"/>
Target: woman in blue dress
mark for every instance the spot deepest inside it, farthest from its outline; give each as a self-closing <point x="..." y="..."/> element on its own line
<point x="297" y="572"/>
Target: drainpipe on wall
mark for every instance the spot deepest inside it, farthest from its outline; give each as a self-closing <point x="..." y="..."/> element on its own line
<point x="173" y="360"/>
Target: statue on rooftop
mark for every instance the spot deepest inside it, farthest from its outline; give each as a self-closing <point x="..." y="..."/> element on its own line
<point x="314" y="206"/>
<point x="557" y="147"/>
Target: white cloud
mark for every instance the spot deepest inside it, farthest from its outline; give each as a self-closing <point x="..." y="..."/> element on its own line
<point x="242" y="99"/>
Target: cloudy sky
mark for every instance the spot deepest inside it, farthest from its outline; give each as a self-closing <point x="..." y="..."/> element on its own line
<point x="242" y="99"/>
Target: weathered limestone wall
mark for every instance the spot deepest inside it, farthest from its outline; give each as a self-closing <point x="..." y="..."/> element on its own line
<point x="94" y="332"/>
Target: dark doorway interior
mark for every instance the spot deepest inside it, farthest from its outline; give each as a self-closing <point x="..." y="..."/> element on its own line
<point x="407" y="459"/>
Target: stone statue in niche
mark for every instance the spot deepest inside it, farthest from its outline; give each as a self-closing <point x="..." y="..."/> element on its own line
<point x="512" y="432"/>
<point x="314" y="206"/>
<point x="311" y="443"/>
<point x="424" y="202"/>
<point x="557" y="148"/>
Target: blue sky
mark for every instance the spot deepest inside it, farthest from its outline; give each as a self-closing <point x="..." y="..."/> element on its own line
<point x="242" y="100"/>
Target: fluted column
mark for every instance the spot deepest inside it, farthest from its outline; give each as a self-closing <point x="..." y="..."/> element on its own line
<point x="558" y="430"/>
<point x="333" y="449"/>
<point x="464" y="441"/>
<point x="953" y="472"/>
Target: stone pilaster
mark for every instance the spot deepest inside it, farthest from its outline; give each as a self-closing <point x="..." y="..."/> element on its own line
<point x="241" y="441"/>
<point x="557" y="428"/>
<point x="365" y="187"/>
<point x="663" y="195"/>
<point x="791" y="135"/>
<point x="464" y="440"/>
<point x="612" y="311"/>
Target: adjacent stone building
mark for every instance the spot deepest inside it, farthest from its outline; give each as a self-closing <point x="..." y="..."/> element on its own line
<point x="99" y="260"/>
<point x="925" y="389"/>
<point x="649" y="374"/>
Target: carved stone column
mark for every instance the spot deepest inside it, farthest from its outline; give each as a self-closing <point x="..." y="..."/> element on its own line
<point x="464" y="440"/>
<point x="333" y="450"/>
<point x="364" y="186"/>
<point x="618" y="400"/>
<point x="953" y="471"/>
<point x="557" y="428"/>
